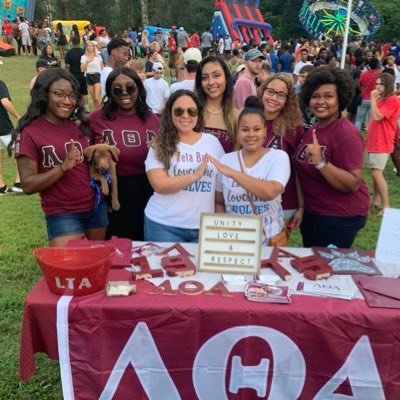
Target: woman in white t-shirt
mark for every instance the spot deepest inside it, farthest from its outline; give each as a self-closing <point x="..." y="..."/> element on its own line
<point x="254" y="171"/>
<point x="91" y="66"/>
<point x="184" y="182"/>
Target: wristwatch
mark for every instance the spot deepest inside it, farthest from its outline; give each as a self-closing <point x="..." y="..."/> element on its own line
<point x="322" y="164"/>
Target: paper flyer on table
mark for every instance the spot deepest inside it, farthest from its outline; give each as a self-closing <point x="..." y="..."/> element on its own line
<point x="388" y="247"/>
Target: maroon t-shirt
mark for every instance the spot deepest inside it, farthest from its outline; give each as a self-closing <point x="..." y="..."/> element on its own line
<point x="48" y="145"/>
<point x="223" y="136"/>
<point x="342" y="145"/>
<point x="130" y="134"/>
<point x="288" y="143"/>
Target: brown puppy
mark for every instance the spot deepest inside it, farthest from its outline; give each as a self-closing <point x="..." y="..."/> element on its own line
<point x="103" y="158"/>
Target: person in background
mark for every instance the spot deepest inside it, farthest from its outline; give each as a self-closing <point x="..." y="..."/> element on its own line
<point x="61" y="39"/>
<point x="74" y="33"/>
<point x="356" y="100"/>
<point x="6" y="30"/>
<point x="308" y="117"/>
<point x="33" y="37"/>
<point x="206" y="42"/>
<point x="177" y="167"/>
<point x="284" y="131"/>
<point x="286" y="60"/>
<point x="125" y="121"/>
<point x="245" y="86"/>
<point x="17" y="35"/>
<point x="254" y="177"/>
<point x="41" y="65"/>
<point x="234" y="62"/>
<point x="149" y="63"/>
<point x="214" y="90"/>
<point x="25" y="36"/>
<point x="192" y="58"/>
<point x="118" y="56"/>
<point x="139" y="67"/>
<point x="382" y="130"/>
<point x="91" y="65"/>
<point x="73" y="65"/>
<point x="102" y="42"/>
<point x="48" y="55"/>
<point x="157" y="89"/>
<point x="182" y="39"/>
<point x="6" y="126"/>
<point x="263" y="75"/>
<point x="300" y="64"/>
<point x="367" y="84"/>
<point x="49" y="147"/>
<point x="329" y="164"/>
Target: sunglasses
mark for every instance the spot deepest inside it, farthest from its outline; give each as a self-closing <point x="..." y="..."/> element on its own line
<point x="192" y="111"/>
<point x="117" y="91"/>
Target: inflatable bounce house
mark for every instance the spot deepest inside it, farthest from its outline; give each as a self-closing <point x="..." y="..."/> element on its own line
<point x="241" y="19"/>
<point x="17" y="8"/>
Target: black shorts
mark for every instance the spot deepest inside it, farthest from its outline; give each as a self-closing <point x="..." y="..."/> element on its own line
<point x="82" y="84"/>
<point x="91" y="79"/>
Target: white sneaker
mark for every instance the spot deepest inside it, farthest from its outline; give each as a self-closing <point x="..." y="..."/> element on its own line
<point x="17" y="188"/>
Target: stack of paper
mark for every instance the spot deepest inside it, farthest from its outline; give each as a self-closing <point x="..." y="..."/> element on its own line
<point x="319" y="288"/>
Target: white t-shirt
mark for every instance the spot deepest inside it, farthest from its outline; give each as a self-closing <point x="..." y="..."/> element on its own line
<point x="299" y="66"/>
<point x="94" y="66"/>
<point x="273" y="166"/>
<point x="187" y="84"/>
<point x="157" y="93"/>
<point x="182" y="209"/>
<point x="103" y="78"/>
<point x="24" y="28"/>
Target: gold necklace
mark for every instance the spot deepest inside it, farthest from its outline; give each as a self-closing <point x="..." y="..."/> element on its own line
<point x="214" y="112"/>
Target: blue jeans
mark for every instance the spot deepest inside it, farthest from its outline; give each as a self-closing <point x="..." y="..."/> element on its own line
<point x="363" y="111"/>
<point x="155" y="232"/>
<point x="78" y="222"/>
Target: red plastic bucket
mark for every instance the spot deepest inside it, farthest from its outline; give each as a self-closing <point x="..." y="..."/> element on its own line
<point x="74" y="271"/>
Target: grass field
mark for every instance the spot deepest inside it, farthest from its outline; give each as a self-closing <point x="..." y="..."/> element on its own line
<point x="22" y="229"/>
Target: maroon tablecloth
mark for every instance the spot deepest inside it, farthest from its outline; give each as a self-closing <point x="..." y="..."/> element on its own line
<point x="213" y="347"/>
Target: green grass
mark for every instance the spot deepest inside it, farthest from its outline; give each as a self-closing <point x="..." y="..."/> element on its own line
<point x="22" y="229"/>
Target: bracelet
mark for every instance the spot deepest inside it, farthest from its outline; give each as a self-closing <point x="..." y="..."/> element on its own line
<point x="62" y="169"/>
<point x="321" y="165"/>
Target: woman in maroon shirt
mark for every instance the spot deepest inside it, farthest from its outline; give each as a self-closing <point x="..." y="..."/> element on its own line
<point x="329" y="164"/>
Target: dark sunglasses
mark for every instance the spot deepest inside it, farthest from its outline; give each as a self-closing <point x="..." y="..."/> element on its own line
<point x="192" y="111"/>
<point x="117" y="91"/>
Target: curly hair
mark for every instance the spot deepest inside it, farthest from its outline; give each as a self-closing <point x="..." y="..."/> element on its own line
<point x="290" y="117"/>
<point x="325" y="76"/>
<point x="109" y="106"/>
<point x="227" y="98"/>
<point x="166" y="142"/>
<point x="39" y="100"/>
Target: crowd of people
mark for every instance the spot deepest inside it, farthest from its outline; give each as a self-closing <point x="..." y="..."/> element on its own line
<point x="207" y="124"/>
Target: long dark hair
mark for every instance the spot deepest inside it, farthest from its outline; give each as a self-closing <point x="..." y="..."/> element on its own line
<point x="166" y="142"/>
<point x="227" y="98"/>
<point x="109" y="106"/>
<point x="39" y="99"/>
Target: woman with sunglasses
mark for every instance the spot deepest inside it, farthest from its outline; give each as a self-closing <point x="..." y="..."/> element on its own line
<point x="49" y="146"/>
<point x="381" y="138"/>
<point x="284" y="131"/>
<point x="214" y="89"/>
<point x="91" y="66"/>
<point x="184" y="183"/>
<point x="125" y="121"/>
<point x="254" y="177"/>
<point x="329" y="163"/>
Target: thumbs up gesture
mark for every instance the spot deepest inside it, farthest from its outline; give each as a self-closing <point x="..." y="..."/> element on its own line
<point x="73" y="157"/>
<point x="314" y="152"/>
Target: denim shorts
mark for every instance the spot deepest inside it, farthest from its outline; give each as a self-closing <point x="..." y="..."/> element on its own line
<point x="73" y="223"/>
<point x="155" y="232"/>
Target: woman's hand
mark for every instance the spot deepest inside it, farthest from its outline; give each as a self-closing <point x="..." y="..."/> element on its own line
<point x="222" y="168"/>
<point x="374" y="94"/>
<point x="314" y="152"/>
<point x="297" y="219"/>
<point x="199" y="172"/>
<point x="73" y="157"/>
